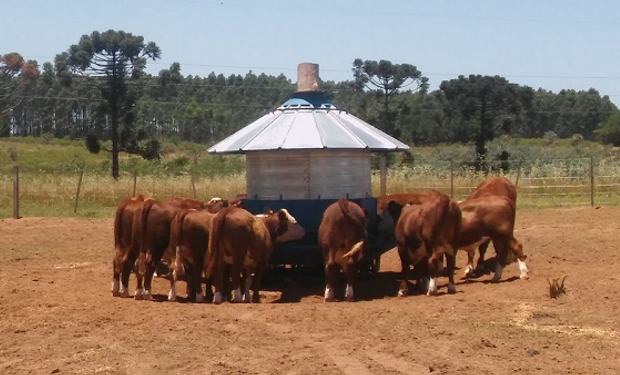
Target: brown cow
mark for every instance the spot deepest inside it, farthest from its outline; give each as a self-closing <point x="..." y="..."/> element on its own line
<point x="244" y="242"/>
<point x="491" y="218"/>
<point x="491" y="186"/>
<point x="152" y="226"/>
<point x="429" y="231"/>
<point x="343" y="238"/>
<point x="125" y="253"/>
<point x="189" y="239"/>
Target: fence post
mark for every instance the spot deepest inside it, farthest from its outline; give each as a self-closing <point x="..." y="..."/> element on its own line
<point x="451" y="179"/>
<point x="15" y="192"/>
<point x="77" y="194"/>
<point x="518" y="173"/>
<point x="193" y="184"/>
<point x="383" y="174"/>
<point x="135" y="181"/>
<point x="592" y="180"/>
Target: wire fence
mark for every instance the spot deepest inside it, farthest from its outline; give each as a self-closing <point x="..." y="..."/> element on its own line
<point x="540" y="183"/>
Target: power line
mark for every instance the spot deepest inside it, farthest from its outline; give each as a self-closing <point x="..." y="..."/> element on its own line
<point x="545" y="76"/>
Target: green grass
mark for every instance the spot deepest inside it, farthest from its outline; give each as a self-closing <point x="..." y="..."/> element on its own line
<point x="550" y="174"/>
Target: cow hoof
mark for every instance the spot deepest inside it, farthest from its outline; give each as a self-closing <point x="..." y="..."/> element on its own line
<point x="330" y="299"/>
<point x="495" y="279"/>
<point x="172" y="296"/>
<point x="217" y="298"/>
<point x="451" y="288"/>
<point x="402" y="293"/>
<point x="200" y="298"/>
<point x="147" y="295"/>
<point x="469" y="271"/>
<point x="138" y="295"/>
<point x="115" y="288"/>
<point x="349" y="299"/>
<point x="524" y="276"/>
<point x="237" y="297"/>
<point x="246" y="298"/>
<point x="431" y="292"/>
<point x="256" y="298"/>
<point x="124" y="293"/>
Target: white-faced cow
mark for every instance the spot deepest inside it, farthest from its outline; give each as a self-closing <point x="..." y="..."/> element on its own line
<point x="427" y="232"/>
<point x="152" y="235"/>
<point x="495" y="187"/>
<point x="125" y="253"/>
<point x="342" y="236"/>
<point x="244" y="242"/>
<point x="189" y="240"/>
<point x="491" y="218"/>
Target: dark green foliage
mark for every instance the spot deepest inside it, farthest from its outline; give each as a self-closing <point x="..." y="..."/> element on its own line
<point x="609" y="132"/>
<point x="152" y="112"/>
<point x="115" y="58"/>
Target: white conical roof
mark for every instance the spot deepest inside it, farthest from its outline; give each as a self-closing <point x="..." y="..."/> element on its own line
<point x="308" y="121"/>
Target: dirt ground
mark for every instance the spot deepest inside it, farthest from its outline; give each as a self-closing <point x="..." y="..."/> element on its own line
<point x="58" y="315"/>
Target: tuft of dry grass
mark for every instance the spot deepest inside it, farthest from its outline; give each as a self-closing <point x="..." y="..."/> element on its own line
<point x="556" y="287"/>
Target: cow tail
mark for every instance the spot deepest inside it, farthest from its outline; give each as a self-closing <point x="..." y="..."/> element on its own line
<point x="354" y="250"/>
<point x="177" y="238"/>
<point x="343" y="203"/>
<point x="214" y="253"/>
<point x="118" y="231"/>
<point x="146" y="210"/>
<point x="118" y="235"/>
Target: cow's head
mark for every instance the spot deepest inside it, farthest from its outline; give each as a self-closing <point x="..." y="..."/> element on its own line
<point x="282" y="225"/>
<point x="215" y="204"/>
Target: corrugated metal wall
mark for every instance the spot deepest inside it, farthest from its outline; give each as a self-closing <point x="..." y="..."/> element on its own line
<point x="310" y="174"/>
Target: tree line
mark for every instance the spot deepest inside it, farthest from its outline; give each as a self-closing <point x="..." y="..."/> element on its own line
<point x="98" y="90"/>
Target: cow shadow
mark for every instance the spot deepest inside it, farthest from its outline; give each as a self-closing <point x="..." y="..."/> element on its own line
<point x="489" y="266"/>
<point x="296" y="286"/>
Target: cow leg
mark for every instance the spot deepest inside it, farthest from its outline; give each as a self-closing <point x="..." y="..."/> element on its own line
<point x="218" y="281"/>
<point x="196" y="281"/>
<point x="331" y="275"/>
<point x="469" y="270"/>
<point x="482" y="249"/>
<point x="350" y="270"/>
<point x="139" y="271"/>
<point x="405" y="268"/>
<point x="517" y="250"/>
<point x="247" y="285"/>
<point x="501" y="251"/>
<point x="148" y="276"/>
<point x="433" y="272"/>
<point x="451" y="265"/>
<point x="235" y="281"/>
<point x="172" y="294"/>
<point x="257" y="280"/>
<point x="116" y="273"/>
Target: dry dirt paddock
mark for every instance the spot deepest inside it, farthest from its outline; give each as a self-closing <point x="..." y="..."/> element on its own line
<point x="58" y="315"/>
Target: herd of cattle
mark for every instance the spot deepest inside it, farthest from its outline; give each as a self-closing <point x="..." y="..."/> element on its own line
<point x="229" y="247"/>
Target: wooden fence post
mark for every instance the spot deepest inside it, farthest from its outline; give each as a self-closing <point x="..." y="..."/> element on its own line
<point x="193" y="184"/>
<point x="518" y="173"/>
<point x="135" y="182"/>
<point x="383" y="174"/>
<point x="591" y="180"/>
<point x="15" y="192"/>
<point x="77" y="194"/>
<point x="451" y="179"/>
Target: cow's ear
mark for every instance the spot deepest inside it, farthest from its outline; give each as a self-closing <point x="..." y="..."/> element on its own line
<point x="282" y="216"/>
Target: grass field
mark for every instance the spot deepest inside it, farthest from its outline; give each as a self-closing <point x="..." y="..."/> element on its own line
<point x="561" y="175"/>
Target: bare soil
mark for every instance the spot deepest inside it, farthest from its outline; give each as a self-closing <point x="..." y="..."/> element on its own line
<point x="58" y="315"/>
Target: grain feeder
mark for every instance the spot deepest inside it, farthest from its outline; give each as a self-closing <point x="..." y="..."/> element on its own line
<point x="305" y="155"/>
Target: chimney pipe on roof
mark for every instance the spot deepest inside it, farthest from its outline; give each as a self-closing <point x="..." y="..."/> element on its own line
<point x="308" y="77"/>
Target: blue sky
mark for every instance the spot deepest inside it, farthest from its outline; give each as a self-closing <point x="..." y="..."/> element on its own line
<point x="551" y="44"/>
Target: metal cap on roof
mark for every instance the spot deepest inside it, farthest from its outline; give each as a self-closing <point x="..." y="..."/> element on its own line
<point x="308" y="121"/>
